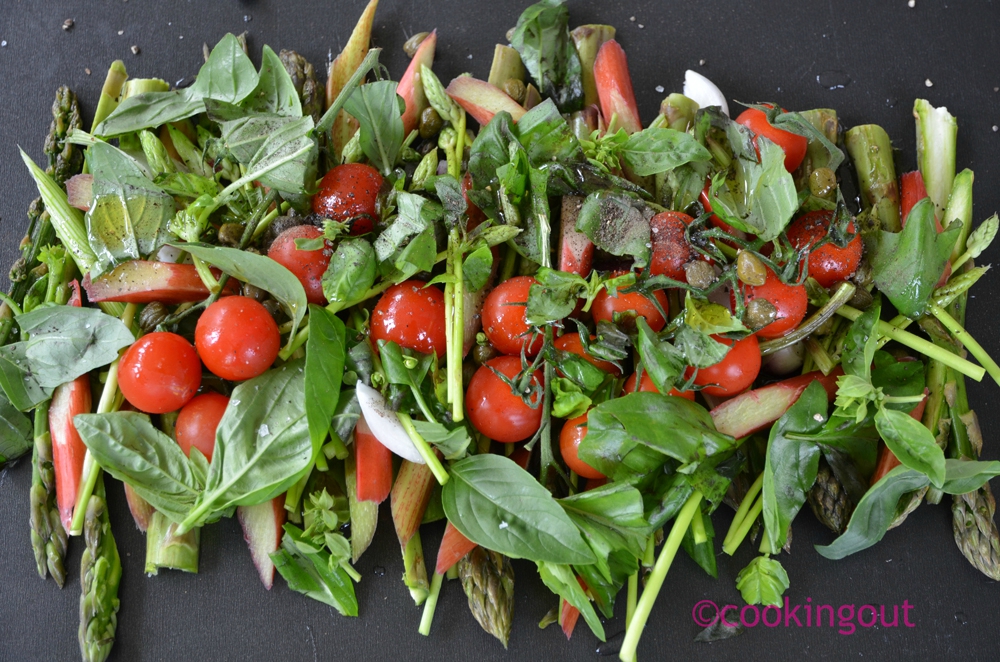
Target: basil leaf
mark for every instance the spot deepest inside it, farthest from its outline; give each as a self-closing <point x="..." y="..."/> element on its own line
<point x="664" y="362"/>
<point x="15" y="431"/>
<point x="547" y="136"/>
<point x="622" y="565"/>
<point x="187" y="184"/>
<point x="790" y="465"/>
<point x="611" y="518"/>
<point x="413" y="225"/>
<point x="964" y="476"/>
<point x="128" y="217"/>
<point x="909" y="264"/>
<point x="67" y="341"/>
<point x="262" y="444"/>
<point x="568" y="399"/>
<point x="227" y="75"/>
<point x="861" y="343"/>
<point x="874" y="513"/>
<point x="324" y="370"/>
<point x="665" y="498"/>
<point x="20" y="387"/>
<point x="453" y="444"/>
<point x="762" y="582"/>
<point x="615" y="222"/>
<point x="286" y="161"/>
<point x="898" y="379"/>
<point x="243" y="135"/>
<point x="489" y="151"/>
<point x="476" y="268"/>
<point x="351" y="271"/>
<point x="258" y="270"/>
<point x="394" y="364"/>
<point x="655" y="150"/>
<point x="311" y="574"/>
<point x="375" y="107"/>
<point x="559" y="578"/>
<point x="699" y="349"/>
<point x="497" y="504"/>
<point x="710" y="318"/>
<point x="275" y="91"/>
<point x="554" y="296"/>
<point x="542" y="39"/>
<point x="912" y="443"/>
<point x="131" y="449"/>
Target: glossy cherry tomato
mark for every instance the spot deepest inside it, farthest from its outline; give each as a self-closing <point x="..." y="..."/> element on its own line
<point x="197" y="422"/>
<point x="605" y="306"/>
<point x="349" y="192"/>
<point x="504" y="317"/>
<point x="793" y="144"/>
<point x="308" y="266"/>
<point x="736" y="372"/>
<point x="572" y="434"/>
<point x="237" y="338"/>
<point x="790" y="303"/>
<point x="411" y="315"/>
<point x="647" y="385"/>
<point x="829" y="263"/>
<point x="160" y="372"/>
<point x="671" y="251"/>
<point x="494" y="410"/>
<point x="570" y="342"/>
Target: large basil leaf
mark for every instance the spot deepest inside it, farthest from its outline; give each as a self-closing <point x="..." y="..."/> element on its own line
<point x="615" y="223"/>
<point x="311" y="574"/>
<point x="262" y="444"/>
<point x="909" y="264"/>
<point x="622" y="565"/>
<point x="655" y="150"/>
<point x="861" y="343"/>
<point x="20" y="387"/>
<point x="324" y="371"/>
<point x="542" y="39"/>
<point x="964" y="476"/>
<point x="561" y="581"/>
<point x="286" y="161"/>
<point x="375" y="107"/>
<point x="258" y="270"/>
<point x="66" y="342"/>
<point x="790" y="466"/>
<point x="15" y="431"/>
<point x="912" y="443"/>
<point x="227" y="75"/>
<point x="275" y="91"/>
<point x="611" y="518"/>
<point x="547" y="136"/>
<point x="131" y="449"/>
<point x="128" y="217"/>
<point x="351" y="271"/>
<point x="497" y="504"/>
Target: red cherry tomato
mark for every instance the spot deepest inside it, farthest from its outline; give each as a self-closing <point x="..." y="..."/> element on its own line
<point x="504" y="317"/>
<point x="605" y="306"/>
<point x="494" y="410"/>
<point x="829" y="263"/>
<point x="160" y="372"/>
<point x="647" y="385"/>
<point x="736" y="372"/>
<point x="412" y="316"/>
<point x="789" y="301"/>
<point x="237" y="338"/>
<point x="570" y="342"/>
<point x="197" y="422"/>
<point x="308" y="266"/>
<point x="793" y="144"/>
<point x="349" y="192"/>
<point x="572" y="434"/>
<point x="671" y="251"/>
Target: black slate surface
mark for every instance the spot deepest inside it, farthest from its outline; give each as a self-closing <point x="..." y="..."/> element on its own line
<point x="754" y="51"/>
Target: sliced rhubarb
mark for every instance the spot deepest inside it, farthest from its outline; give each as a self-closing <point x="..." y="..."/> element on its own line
<point x="576" y="251"/>
<point x="262" y="531"/>
<point x="80" y="191"/>
<point x="614" y="87"/>
<point x="410" y="495"/>
<point x="373" y="463"/>
<point x="341" y="70"/>
<point x="568" y="615"/>
<point x="142" y="281"/>
<point x="410" y="86"/>
<point x="141" y="511"/>
<point x="454" y="547"/>
<point x="68" y="451"/>
<point x="482" y="100"/>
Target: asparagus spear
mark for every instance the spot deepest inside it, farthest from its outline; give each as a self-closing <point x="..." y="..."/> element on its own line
<point x="100" y="574"/>
<point x="871" y="151"/>
<point x="488" y="581"/>
<point x="166" y="549"/>
<point x="311" y="93"/>
<point x="48" y="537"/>
<point x="936" y="141"/>
<point x="828" y="499"/>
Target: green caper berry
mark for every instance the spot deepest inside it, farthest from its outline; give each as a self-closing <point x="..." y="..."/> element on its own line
<point x="515" y="89"/>
<point x="822" y="182"/>
<point x="750" y="269"/>
<point x="759" y="313"/>
<point x="413" y="43"/>
<point x="430" y="123"/>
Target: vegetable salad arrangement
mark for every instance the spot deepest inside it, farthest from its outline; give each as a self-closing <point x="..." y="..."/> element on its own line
<point x="504" y="303"/>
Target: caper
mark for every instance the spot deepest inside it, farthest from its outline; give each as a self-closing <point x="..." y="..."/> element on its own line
<point x="759" y="313"/>
<point x="862" y="298"/>
<point x="483" y="352"/>
<point x="272" y="306"/>
<point x="413" y="43"/>
<point x="430" y="123"/>
<point x="822" y="182"/>
<point x="152" y="316"/>
<point x="750" y="269"/>
<point x="515" y="89"/>
<point x="699" y="274"/>
<point x="254" y="292"/>
<point x="230" y="234"/>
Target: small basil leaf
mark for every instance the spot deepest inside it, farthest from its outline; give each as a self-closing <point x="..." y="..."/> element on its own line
<point x="351" y="271"/>
<point x="374" y="106"/>
<point x="615" y="223"/>
<point x="324" y="370"/>
<point x="964" y="476"/>
<point x="762" y="582"/>
<point x="559" y="578"/>
<point x="311" y="574"/>
<point x="655" y="150"/>
<point x="275" y="91"/>
<point x="477" y="267"/>
<point x="710" y="318"/>
<point x="862" y="341"/>
<point x="542" y="39"/>
<point x="912" y="443"/>
<point x="568" y="399"/>
<point x="453" y="444"/>
<point x="15" y="431"/>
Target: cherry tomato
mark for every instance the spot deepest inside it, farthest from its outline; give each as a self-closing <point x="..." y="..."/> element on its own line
<point x="494" y="410"/>
<point x="349" y="192"/>
<point x="793" y="144"/>
<point x="504" y="314"/>
<point x="197" y="422"/>
<point x="671" y="251"/>
<point x="605" y="306"/>
<point x="829" y="263"/>
<point x="308" y="266"/>
<point x="790" y="303"/>
<point x="160" y="372"/>
<point x="736" y="372"/>
<point x="412" y="316"/>
<point x="647" y="385"/>
<point x="572" y="434"/>
<point x="237" y="338"/>
<point x="570" y="342"/>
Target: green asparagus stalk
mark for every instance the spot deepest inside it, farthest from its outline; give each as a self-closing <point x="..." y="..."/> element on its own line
<point x="871" y="151"/>
<point x="166" y="549"/>
<point x="678" y="111"/>
<point x="113" y="84"/>
<point x="829" y="501"/>
<point x="488" y="581"/>
<point x="48" y="537"/>
<point x="506" y="65"/>
<point x="588" y="40"/>
<point x="415" y="570"/>
<point x="100" y="574"/>
<point x="937" y="132"/>
<point x="311" y="93"/>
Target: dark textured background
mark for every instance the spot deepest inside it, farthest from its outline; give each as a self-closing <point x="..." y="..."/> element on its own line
<point x="762" y="51"/>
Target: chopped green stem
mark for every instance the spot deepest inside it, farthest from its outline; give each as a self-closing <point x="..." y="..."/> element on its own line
<point x="726" y="249"/>
<point x="656" y="578"/>
<point x="414" y="569"/>
<point x="426" y="452"/>
<point x="351" y="572"/>
<point x="545" y="455"/>
<point x="166" y="549"/>
<point x="840" y="297"/>
<point x="457" y="322"/>
<point x="698" y="528"/>
<point x="422" y="403"/>
<point x="321" y="463"/>
<point x="649" y="554"/>
<point x="11" y="303"/>
<point x="430" y="605"/>
<point x="819" y="356"/>
<point x="631" y="597"/>
<point x="294" y="495"/>
<point x="741" y="512"/>
<point x="963" y="336"/>
<point x="335" y="448"/>
<point x="925" y="347"/>
<point x="903" y="399"/>
<point x="734" y="539"/>
<point x="205" y="273"/>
